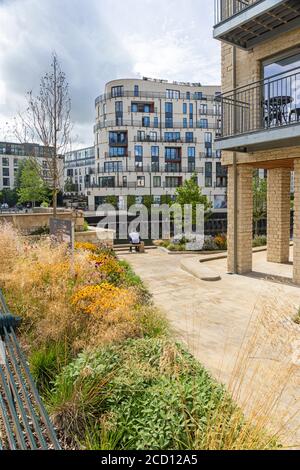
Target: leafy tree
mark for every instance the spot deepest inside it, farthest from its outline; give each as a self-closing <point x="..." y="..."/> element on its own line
<point x="32" y="187"/>
<point x="70" y="187"/>
<point x="259" y="201"/>
<point x="148" y="201"/>
<point x="190" y="193"/>
<point x="9" y="196"/>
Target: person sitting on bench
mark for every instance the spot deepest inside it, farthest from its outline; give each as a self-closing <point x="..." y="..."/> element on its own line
<point x="135" y="240"/>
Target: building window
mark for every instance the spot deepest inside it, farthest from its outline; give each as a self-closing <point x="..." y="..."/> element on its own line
<point x="107" y="182"/>
<point x="5" y="161"/>
<point x="117" y="151"/>
<point x="171" y="167"/>
<point x="172" y="136"/>
<point x="119" y="113"/>
<point x="208" y="152"/>
<point x="173" y="181"/>
<point x="198" y="95"/>
<point x="5" y="171"/>
<point x="208" y="137"/>
<point x="169" y="115"/>
<point x="6" y="182"/>
<point x="189" y="137"/>
<point x="173" y="94"/>
<point x="155" y="124"/>
<point x="113" y="167"/>
<point x="136" y="90"/>
<point x="221" y="176"/>
<point x="156" y="181"/>
<point x="191" y="166"/>
<point x="118" y="138"/>
<point x="141" y="181"/>
<point x="172" y="154"/>
<point x="155" y="151"/>
<point x="134" y="108"/>
<point x="184" y="108"/>
<point x="153" y="136"/>
<point x="146" y="121"/>
<point x="203" y="109"/>
<point x="138" y="151"/>
<point x="192" y="152"/>
<point x="203" y="124"/>
<point x="185" y="123"/>
<point x="208" y="174"/>
<point x="188" y="95"/>
<point x="117" y="91"/>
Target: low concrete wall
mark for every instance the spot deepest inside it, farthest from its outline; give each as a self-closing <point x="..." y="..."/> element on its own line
<point x="98" y="236"/>
<point x="28" y="223"/>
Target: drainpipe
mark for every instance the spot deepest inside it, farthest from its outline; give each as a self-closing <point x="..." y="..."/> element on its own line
<point x="235" y="177"/>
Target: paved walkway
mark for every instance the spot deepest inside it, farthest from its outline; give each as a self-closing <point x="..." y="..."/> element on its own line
<point x="218" y="320"/>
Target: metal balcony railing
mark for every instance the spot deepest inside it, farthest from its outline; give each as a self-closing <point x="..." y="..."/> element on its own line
<point x="161" y="125"/>
<point x="270" y="103"/>
<point x="225" y="9"/>
<point x="189" y="96"/>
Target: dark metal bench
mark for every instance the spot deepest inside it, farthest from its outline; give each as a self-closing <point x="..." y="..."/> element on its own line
<point x="24" y="422"/>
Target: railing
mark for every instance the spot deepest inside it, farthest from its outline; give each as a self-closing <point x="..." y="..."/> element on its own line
<point x="24" y="423"/>
<point x="146" y="169"/>
<point x="225" y="9"/>
<point x="270" y="103"/>
<point x="161" y="125"/>
<point x="153" y="140"/>
<point x="192" y="96"/>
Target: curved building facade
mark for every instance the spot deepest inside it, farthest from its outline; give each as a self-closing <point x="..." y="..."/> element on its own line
<point x="151" y="135"/>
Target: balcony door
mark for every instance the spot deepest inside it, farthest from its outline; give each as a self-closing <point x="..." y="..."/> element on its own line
<point x="282" y="90"/>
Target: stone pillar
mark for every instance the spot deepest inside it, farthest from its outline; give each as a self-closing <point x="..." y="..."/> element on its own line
<point x="279" y="215"/>
<point x="244" y="218"/>
<point x="297" y="222"/>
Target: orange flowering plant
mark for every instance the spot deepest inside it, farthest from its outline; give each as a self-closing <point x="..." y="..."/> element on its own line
<point x="103" y="299"/>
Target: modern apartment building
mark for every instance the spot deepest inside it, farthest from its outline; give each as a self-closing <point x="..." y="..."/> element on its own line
<point x="10" y="156"/>
<point x="260" y="121"/>
<point x="79" y="171"/>
<point x="151" y="135"/>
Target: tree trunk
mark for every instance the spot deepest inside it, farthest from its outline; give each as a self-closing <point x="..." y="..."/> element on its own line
<point x="54" y="202"/>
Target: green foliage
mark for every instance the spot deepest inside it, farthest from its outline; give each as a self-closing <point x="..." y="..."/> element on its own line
<point x="148" y="201"/>
<point x="32" y="187"/>
<point x="130" y="279"/>
<point x="297" y="318"/>
<point x="46" y="363"/>
<point x="112" y="200"/>
<point x="259" y="240"/>
<point x="259" y="200"/>
<point x="85" y="226"/>
<point x="9" y="196"/>
<point x="130" y="201"/>
<point x="149" y="391"/>
<point x="190" y="193"/>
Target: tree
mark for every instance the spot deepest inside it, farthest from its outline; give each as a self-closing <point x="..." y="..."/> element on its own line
<point x="47" y="120"/>
<point x="190" y="193"/>
<point x="259" y="201"/>
<point x="32" y="187"/>
<point x="8" y="196"/>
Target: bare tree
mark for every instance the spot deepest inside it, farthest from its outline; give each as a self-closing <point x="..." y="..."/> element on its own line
<point x="47" y="121"/>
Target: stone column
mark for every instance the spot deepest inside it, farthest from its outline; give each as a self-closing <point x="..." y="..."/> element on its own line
<point x="244" y="218"/>
<point x="279" y="215"/>
<point x="297" y="222"/>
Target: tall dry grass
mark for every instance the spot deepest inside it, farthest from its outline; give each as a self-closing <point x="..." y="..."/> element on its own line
<point x="41" y="283"/>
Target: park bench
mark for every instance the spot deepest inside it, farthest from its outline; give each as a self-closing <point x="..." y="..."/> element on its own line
<point x="140" y="248"/>
<point x="24" y="422"/>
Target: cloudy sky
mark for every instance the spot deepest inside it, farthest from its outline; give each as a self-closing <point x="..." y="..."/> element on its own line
<point x="98" y="41"/>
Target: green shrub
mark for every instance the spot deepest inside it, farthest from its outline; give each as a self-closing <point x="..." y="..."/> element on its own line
<point x="259" y="240"/>
<point x="149" y="392"/>
<point x="47" y="363"/>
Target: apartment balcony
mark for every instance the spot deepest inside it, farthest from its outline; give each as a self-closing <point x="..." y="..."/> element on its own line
<point x="246" y="23"/>
<point x="262" y="115"/>
<point x="161" y="125"/>
<point x="153" y="140"/>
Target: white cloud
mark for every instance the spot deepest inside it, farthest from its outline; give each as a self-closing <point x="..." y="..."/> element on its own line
<point x="99" y="40"/>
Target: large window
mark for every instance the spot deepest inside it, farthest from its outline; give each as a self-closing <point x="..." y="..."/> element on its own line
<point x="117" y="91"/>
<point x="172" y="154"/>
<point x="172" y="94"/>
<point x="172" y="136"/>
<point x="154" y="151"/>
<point x="113" y="167"/>
<point x="208" y="174"/>
<point x="156" y="181"/>
<point x="107" y="182"/>
<point x="5" y="171"/>
<point x="203" y="124"/>
<point x="118" y="138"/>
<point x="189" y="137"/>
<point x="173" y="181"/>
<point x="117" y="151"/>
<point x="169" y="114"/>
<point x="146" y="121"/>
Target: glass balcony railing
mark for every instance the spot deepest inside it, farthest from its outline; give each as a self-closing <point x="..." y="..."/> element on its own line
<point x="225" y="9"/>
<point x="270" y="103"/>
